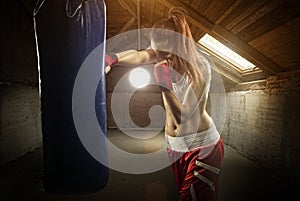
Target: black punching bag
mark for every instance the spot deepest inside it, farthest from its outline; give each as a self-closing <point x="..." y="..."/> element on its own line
<point x="67" y="31"/>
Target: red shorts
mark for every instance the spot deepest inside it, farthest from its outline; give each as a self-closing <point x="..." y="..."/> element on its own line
<point x="197" y="172"/>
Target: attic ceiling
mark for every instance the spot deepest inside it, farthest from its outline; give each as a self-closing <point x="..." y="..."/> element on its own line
<point x="266" y="32"/>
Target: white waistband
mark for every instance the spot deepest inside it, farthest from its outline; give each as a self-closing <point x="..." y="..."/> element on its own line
<point x="193" y="141"/>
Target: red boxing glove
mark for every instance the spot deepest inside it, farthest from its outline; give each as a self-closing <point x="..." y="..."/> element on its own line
<point x="162" y="75"/>
<point x="111" y="59"/>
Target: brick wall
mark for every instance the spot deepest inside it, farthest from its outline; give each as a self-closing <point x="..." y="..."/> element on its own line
<point x="263" y="123"/>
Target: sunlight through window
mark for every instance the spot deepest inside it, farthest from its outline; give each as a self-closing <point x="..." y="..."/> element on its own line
<point x="224" y="52"/>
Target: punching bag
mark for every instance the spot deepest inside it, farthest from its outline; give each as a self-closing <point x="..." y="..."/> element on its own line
<point x="66" y="33"/>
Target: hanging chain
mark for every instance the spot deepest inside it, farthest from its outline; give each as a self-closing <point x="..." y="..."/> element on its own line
<point x="68" y="9"/>
<point x="38" y="7"/>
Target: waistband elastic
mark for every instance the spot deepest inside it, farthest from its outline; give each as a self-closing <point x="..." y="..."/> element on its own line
<point x="193" y="141"/>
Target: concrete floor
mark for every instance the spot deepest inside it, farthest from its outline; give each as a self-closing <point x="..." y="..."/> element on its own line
<point x="240" y="180"/>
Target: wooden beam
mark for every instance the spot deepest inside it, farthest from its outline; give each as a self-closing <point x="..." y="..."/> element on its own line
<point x="264" y="8"/>
<point x="237" y="14"/>
<point x="128" y="25"/>
<point x="211" y="8"/>
<point x="233" y="6"/>
<point x="226" y="73"/>
<point x="295" y="4"/>
<point x="260" y="60"/>
<point x="132" y="8"/>
<point x="234" y="42"/>
<point x="126" y="7"/>
<point x="195" y="4"/>
<point x="193" y="16"/>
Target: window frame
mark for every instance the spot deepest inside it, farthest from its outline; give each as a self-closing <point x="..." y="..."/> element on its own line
<point x="223" y="58"/>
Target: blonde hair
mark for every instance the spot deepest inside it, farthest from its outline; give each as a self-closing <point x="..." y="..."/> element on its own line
<point x="176" y="22"/>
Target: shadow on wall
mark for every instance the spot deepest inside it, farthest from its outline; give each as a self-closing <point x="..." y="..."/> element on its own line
<point x="20" y="129"/>
<point x="19" y="122"/>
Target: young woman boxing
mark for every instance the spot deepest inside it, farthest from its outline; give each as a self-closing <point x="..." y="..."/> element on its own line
<point x="183" y="74"/>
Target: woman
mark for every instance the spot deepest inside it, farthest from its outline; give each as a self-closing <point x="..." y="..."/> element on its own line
<point x="183" y="74"/>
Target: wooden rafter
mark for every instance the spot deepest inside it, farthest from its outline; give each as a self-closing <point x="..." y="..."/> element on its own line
<point x="232" y="7"/>
<point x="223" y="35"/>
<point x="128" y="8"/>
<point x="127" y="26"/>
<point x="134" y="9"/>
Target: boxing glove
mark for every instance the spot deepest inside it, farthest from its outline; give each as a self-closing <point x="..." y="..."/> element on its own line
<point x="111" y="59"/>
<point x="162" y="75"/>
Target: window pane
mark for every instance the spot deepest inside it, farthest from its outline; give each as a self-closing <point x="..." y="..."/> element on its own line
<point x="226" y="53"/>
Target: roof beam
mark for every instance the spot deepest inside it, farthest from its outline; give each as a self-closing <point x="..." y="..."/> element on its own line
<point x="127" y="7"/>
<point x="128" y="25"/>
<point x="260" y="60"/>
<point x="193" y="17"/>
<point x="226" y="73"/>
<point x="232" y="7"/>
<point x="221" y="34"/>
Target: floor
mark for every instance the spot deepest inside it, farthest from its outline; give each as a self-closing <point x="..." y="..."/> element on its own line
<point x="240" y="180"/>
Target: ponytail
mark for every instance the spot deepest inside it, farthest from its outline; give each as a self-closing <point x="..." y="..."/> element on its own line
<point x="176" y="21"/>
<point x="177" y="15"/>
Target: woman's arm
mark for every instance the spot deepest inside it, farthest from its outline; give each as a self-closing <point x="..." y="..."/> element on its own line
<point x="134" y="58"/>
<point x="180" y="111"/>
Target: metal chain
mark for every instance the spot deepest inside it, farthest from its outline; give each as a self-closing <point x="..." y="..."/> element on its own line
<point x="76" y="10"/>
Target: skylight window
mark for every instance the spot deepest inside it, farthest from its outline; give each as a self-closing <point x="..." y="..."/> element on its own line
<point x="224" y="52"/>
